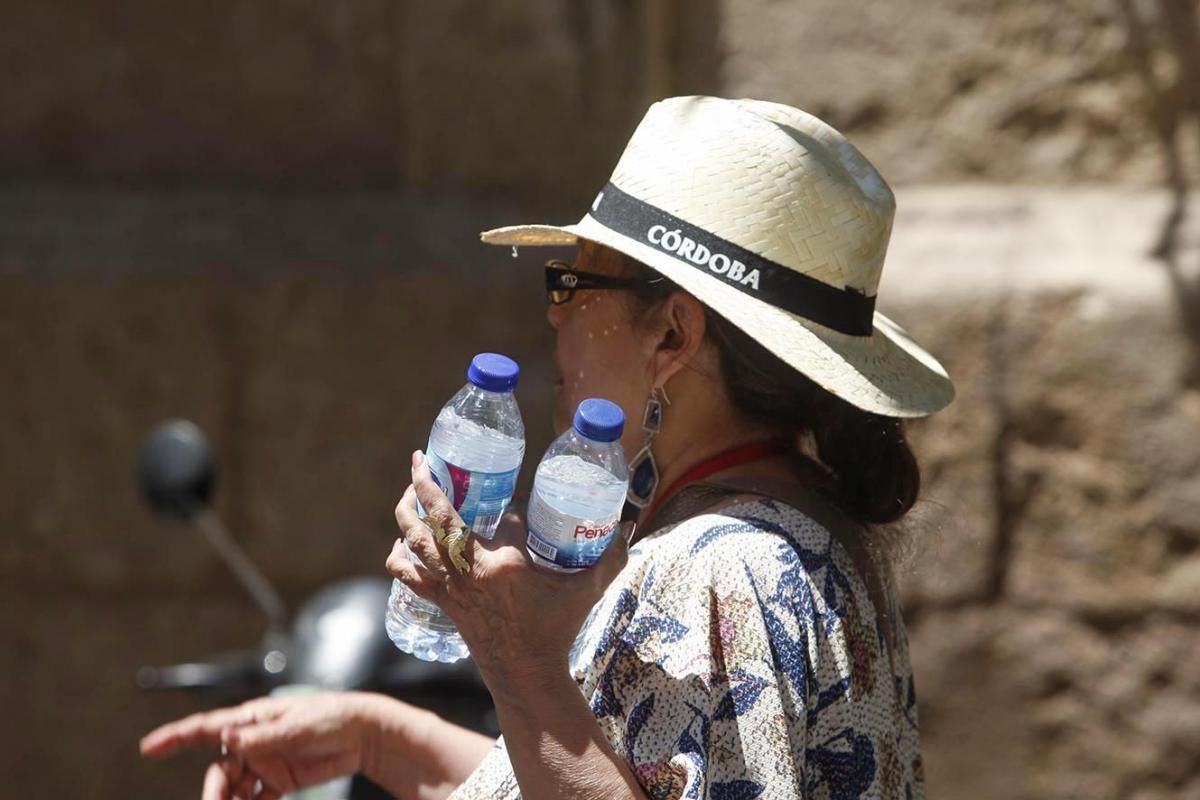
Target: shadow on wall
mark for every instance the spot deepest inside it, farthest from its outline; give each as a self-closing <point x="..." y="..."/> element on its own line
<point x="1171" y="33"/>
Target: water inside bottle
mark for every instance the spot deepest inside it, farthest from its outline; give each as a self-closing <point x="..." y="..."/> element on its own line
<point x="573" y="512"/>
<point x="488" y="458"/>
<point x="579" y="488"/>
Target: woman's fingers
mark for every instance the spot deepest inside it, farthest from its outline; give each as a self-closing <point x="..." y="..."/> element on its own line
<point x="416" y="533"/>
<point x="203" y="729"/>
<point x="246" y="787"/>
<point x="267" y="750"/>
<point x="431" y="496"/>
<point x="277" y="773"/>
<point x="216" y="784"/>
<point x="458" y="552"/>
<point x="220" y="779"/>
<point x="415" y="576"/>
<point x="283" y="772"/>
<point x="613" y="559"/>
<point x="198" y="729"/>
<point x="511" y="531"/>
<point x="263" y="738"/>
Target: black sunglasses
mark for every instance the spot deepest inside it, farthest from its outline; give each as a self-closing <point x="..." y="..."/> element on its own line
<point x="563" y="280"/>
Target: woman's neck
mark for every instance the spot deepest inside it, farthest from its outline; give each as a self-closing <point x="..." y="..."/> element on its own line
<point x="677" y="455"/>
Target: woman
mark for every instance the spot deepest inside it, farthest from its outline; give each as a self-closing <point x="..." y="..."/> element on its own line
<point x="747" y="643"/>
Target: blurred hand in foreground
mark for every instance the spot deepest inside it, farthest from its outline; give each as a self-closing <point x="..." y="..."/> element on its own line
<point x="271" y="746"/>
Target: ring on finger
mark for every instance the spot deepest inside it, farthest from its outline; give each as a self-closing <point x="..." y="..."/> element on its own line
<point x="230" y="757"/>
<point x="454" y="538"/>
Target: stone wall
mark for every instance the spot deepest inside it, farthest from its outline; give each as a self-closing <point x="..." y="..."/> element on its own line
<point x="1041" y="92"/>
<point x="535" y="96"/>
<point x="1053" y="591"/>
<point x="528" y="98"/>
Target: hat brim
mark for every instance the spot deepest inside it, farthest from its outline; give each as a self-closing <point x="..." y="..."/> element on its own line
<point x="885" y="373"/>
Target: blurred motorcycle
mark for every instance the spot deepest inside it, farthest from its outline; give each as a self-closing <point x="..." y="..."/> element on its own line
<point x="336" y="641"/>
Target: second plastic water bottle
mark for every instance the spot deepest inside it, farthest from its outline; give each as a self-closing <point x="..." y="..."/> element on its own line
<point x="474" y="453"/>
<point x="579" y="490"/>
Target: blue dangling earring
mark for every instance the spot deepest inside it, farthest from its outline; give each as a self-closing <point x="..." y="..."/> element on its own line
<point x="643" y="471"/>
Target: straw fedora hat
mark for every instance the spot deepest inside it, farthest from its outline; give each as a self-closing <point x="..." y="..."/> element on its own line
<point x="771" y="218"/>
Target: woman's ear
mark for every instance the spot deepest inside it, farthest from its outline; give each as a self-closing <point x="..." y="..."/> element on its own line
<point x="679" y="334"/>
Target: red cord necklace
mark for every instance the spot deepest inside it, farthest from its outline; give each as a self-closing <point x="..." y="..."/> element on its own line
<point x="734" y="457"/>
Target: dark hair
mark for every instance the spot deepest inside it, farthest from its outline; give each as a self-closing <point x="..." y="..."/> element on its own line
<point x="874" y="474"/>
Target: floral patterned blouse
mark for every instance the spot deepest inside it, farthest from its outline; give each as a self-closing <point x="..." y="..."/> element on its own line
<point x="737" y="656"/>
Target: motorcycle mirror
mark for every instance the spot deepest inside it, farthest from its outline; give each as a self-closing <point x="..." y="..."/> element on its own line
<point x="177" y="477"/>
<point x="177" y="470"/>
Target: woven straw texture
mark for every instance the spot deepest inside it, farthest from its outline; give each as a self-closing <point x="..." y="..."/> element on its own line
<point x="781" y="183"/>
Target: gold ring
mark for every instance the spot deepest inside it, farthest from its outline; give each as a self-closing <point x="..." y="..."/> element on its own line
<point x="453" y="539"/>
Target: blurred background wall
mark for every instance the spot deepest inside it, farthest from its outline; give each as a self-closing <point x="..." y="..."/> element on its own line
<point x="264" y="217"/>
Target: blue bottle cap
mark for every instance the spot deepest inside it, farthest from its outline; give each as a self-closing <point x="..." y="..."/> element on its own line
<point x="599" y="420"/>
<point x="493" y="372"/>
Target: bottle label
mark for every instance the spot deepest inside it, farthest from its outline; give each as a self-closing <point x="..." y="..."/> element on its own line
<point x="479" y="497"/>
<point x="567" y="541"/>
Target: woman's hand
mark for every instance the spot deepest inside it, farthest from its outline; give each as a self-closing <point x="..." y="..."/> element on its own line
<point x="280" y="743"/>
<point x="518" y="619"/>
<point x="276" y="745"/>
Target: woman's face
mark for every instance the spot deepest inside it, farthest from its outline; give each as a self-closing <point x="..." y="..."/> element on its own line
<point x="599" y="352"/>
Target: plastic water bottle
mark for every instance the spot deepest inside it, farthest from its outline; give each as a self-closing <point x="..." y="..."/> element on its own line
<point x="474" y="453"/>
<point x="579" y="490"/>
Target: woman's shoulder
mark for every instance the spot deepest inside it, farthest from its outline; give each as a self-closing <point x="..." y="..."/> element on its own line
<point x="759" y="531"/>
<point x="753" y="561"/>
<point x="755" y="549"/>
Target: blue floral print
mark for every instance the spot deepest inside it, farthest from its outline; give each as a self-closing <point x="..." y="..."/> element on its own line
<point x="738" y="656"/>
